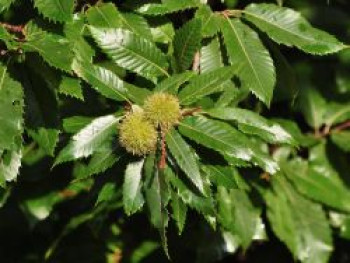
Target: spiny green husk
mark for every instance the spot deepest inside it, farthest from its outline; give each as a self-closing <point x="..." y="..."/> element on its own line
<point x="162" y="110"/>
<point x="137" y="135"/>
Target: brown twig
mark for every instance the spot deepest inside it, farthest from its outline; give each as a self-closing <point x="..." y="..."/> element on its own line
<point x="342" y="126"/>
<point x="190" y="112"/>
<point x="13" y="28"/>
<point x="162" y="161"/>
<point x="196" y="62"/>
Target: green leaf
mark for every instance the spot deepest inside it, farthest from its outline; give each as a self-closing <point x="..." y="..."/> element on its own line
<point x="288" y="27"/>
<point x="90" y="139"/>
<point x="132" y="196"/>
<point x="75" y="123"/>
<point x="167" y="7"/>
<point x="11" y="111"/>
<point x="106" y="193"/>
<point x="162" y="31"/>
<point x="187" y="43"/>
<point x="106" y="15"/>
<point x="251" y="59"/>
<point x="209" y="21"/>
<point x="54" y="49"/>
<point x="46" y="138"/>
<point x="5" y="4"/>
<point x="157" y="196"/>
<point x="100" y="162"/>
<point x="107" y="83"/>
<point x="10" y="163"/>
<point x="55" y="10"/>
<point x="131" y="52"/>
<point x="301" y="224"/>
<point x="172" y="84"/>
<point x="336" y="113"/>
<point x="222" y="175"/>
<point x="205" y="84"/>
<point x="237" y="214"/>
<point x="225" y="139"/>
<point x="179" y="209"/>
<point x="185" y="158"/>
<point x="210" y="56"/>
<point x="318" y="183"/>
<point x="313" y="106"/>
<point x="204" y="205"/>
<point x="252" y="123"/>
<point x="71" y="87"/>
<point x="342" y="140"/>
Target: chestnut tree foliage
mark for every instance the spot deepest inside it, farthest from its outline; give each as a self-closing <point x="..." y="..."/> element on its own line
<point x="216" y="124"/>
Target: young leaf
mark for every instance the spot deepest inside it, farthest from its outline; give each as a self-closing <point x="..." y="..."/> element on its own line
<point x="55" y="10"/>
<point x="90" y="139"/>
<point x="131" y="52"/>
<point x="205" y="84"/>
<point x="250" y="58"/>
<point x="186" y="43"/>
<point x="223" y="138"/>
<point x="288" y="27"/>
<point x="252" y="123"/>
<point x="11" y="110"/>
<point x="301" y="224"/>
<point x="132" y="196"/>
<point x="185" y="158"/>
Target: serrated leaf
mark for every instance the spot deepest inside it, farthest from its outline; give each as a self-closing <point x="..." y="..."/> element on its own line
<point x="179" y="211"/>
<point x="162" y="31"/>
<point x="210" y="56"/>
<point x="319" y="184"/>
<point x="90" y="139"/>
<point x="204" y="205"/>
<point x="209" y="21"/>
<point x="313" y="107"/>
<point x="342" y="140"/>
<point x="54" y="49"/>
<point x="11" y="111"/>
<point x="107" y="83"/>
<point x="301" y="224"/>
<point x="171" y="85"/>
<point x="132" y="196"/>
<point x="205" y="84"/>
<point x="185" y="158"/>
<point x="252" y="123"/>
<point x="71" y="87"/>
<point x="288" y="27"/>
<point x="46" y="138"/>
<point x="75" y="123"/>
<point x="250" y="58"/>
<point x="222" y="175"/>
<point x="168" y="7"/>
<point x="131" y="52"/>
<point x="225" y="139"/>
<point x="5" y="4"/>
<point x="106" y="15"/>
<point x="237" y="214"/>
<point x="186" y="43"/>
<point x="55" y="10"/>
<point x="10" y="163"/>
